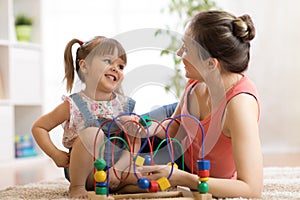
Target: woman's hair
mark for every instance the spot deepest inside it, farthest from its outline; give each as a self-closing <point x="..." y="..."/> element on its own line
<point x="99" y="46"/>
<point x="223" y="36"/>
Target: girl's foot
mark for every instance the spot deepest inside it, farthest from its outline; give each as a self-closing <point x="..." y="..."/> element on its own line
<point x="78" y="192"/>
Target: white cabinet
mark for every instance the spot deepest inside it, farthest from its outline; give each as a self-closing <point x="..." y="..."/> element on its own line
<point x="6" y="132"/>
<point x="21" y="70"/>
<point x="25" y="75"/>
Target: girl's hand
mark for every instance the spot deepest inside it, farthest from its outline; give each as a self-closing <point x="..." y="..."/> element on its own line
<point x="61" y="158"/>
<point x="131" y="125"/>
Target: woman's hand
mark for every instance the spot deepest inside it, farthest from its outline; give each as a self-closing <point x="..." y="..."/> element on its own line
<point x="155" y="172"/>
<point x="114" y="182"/>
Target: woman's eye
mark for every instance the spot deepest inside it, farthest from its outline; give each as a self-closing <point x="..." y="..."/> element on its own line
<point x="107" y="61"/>
<point x="184" y="49"/>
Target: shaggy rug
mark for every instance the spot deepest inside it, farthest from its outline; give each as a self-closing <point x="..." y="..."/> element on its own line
<point x="279" y="183"/>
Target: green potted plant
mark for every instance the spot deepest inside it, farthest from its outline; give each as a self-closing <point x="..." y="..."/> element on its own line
<point x="23" y="25"/>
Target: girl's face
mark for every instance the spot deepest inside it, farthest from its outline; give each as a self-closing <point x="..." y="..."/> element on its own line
<point x="192" y="63"/>
<point x="105" y="73"/>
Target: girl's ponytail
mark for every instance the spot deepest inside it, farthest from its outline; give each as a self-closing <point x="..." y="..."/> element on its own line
<point x="69" y="63"/>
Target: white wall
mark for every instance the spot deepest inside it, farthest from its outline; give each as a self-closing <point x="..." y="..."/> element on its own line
<point x="274" y="65"/>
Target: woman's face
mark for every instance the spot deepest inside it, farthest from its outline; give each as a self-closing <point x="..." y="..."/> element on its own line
<point x="189" y="52"/>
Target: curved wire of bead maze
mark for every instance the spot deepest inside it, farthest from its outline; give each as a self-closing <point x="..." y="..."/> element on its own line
<point x="102" y="178"/>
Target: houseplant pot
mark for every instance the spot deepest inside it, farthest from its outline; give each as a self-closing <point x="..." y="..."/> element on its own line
<point x="23" y="25"/>
<point x="23" y="32"/>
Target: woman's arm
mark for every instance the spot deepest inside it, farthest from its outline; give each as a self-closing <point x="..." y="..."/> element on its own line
<point x="241" y="124"/>
<point x="44" y="125"/>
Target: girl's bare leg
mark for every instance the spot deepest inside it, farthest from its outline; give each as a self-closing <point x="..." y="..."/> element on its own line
<point x="81" y="163"/>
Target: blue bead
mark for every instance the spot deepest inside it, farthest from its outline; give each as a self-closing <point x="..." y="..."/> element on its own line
<point x="100" y="184"/>
<point x="143" y="183"/>
<point x="147" y="160"/>
<point x="203" y="164"/>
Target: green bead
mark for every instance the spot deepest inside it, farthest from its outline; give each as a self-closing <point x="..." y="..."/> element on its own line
<point x="203" y="187"/>
<point x="101" y="190"/>
<point x="147" y="119"/>
<point x="100" y="164"/>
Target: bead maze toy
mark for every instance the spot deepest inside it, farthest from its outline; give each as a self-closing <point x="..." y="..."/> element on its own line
<point x="153" y="189"/>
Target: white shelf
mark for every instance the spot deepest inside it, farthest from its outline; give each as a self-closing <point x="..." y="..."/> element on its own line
<point x="27" y="45"/>
<point x="4" y="102"/>
<point x="21" y="70"/>
<point x="4" y="42"/>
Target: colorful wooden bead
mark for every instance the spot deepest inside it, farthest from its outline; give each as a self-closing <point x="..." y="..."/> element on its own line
<point x="147" y="160"/>
<point x="203" y="164"/>
<point x="139" y="161"/>
<point x="101" y="184"/>
<point x="143" y="183"/>
<point x="163" y="183"/>
<point x="175" y="165"/>
<point x="100" y="176"/>
<point x="203" y="179"/>
<point x="203" y="187"/>
<point x="203" y="173"/>
<point x="100" y="164"/>
<point x="147" y="119"/>
<point x="101" y="190"/>
<point x="153" y="186"/>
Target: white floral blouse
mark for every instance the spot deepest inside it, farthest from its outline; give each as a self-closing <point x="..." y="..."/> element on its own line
<point x="98" y="109"/>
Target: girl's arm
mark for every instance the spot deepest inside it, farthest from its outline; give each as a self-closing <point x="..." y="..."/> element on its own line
<point x="44" y="125"/>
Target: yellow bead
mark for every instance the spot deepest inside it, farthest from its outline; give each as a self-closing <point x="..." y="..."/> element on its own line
<point x="175" y="165"/>
<point x="163" y="183"/>
<point x="140" y="161"/>
<point x="203" y="179"/>
<point x="100" y="176"/>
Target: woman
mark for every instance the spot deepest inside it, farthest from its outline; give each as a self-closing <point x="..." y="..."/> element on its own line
<point x="215" y="53"/>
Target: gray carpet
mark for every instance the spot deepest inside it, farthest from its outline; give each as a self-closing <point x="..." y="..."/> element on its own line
<point x="279" y="183"/>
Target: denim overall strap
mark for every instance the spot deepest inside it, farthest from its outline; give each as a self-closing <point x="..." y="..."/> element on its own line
<point x="83" y="108"/>
<point x="130" y="106"/>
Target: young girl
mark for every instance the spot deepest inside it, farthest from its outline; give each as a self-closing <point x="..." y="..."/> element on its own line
<point x="99" y="64"/>
<point x="215" y="54"/>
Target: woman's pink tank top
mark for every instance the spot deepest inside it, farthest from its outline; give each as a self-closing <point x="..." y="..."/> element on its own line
<point x="218" y="147"/>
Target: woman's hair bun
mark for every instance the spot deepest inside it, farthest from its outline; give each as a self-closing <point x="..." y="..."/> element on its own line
<point x="243" y="28"/>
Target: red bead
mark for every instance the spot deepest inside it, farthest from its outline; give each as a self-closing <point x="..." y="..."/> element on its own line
<point x="153" y="186"/>
<point x="203" y="173"/>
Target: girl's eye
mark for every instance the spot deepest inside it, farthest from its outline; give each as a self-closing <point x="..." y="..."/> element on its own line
<point x="107" y="61"/>
<point x="121" y="67"/>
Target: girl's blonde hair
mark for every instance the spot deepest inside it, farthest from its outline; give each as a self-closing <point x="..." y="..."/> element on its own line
<point x="99" y="45"/>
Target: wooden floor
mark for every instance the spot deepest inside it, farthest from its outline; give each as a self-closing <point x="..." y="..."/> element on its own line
<point x="32" y="170"/>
